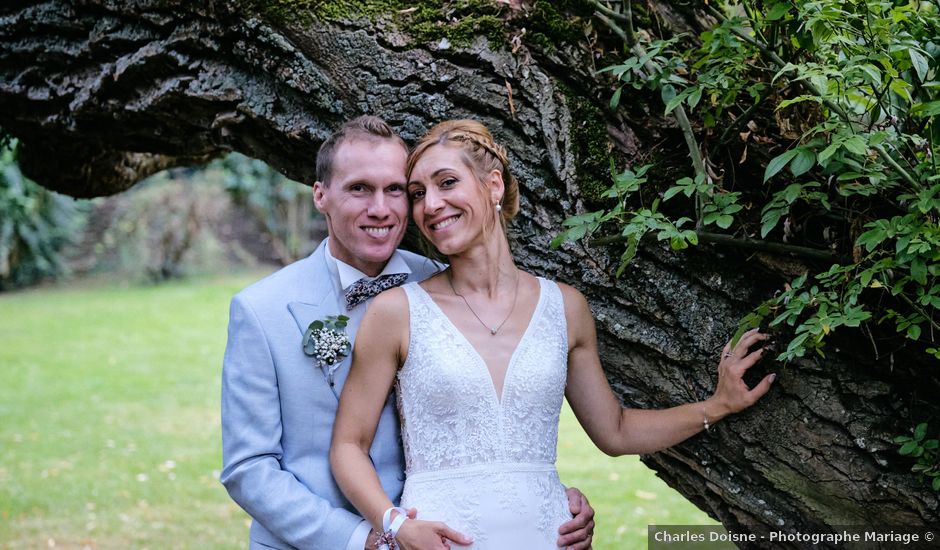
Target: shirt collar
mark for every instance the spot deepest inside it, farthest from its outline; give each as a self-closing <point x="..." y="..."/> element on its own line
<point x="348" y="274"/>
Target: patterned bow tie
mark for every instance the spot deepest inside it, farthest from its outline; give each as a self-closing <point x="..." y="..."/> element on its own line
<point x="363" y="289"/>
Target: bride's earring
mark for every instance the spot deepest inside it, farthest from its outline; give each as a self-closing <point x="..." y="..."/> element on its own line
<point x="499" y="208"/>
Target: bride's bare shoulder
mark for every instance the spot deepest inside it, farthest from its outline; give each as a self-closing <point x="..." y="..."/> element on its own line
<point x="571" y="295"/>
<point x="392" y="303"/>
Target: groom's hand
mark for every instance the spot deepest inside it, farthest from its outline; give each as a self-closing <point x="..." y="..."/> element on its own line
<point x="577" y="533"/>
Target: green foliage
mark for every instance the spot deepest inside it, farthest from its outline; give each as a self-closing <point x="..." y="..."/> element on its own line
<point x="161" y="228"/>
<point x="549" y="24"/>
<point x="283" y="207"/>
<point x="465" y="21"/>
<point x="925" y="451"/>
<point x="853" y="89"/>
<point x="590" y="145"/>
<point x="634" y="224"/>
<point x="460" y="22"/>
<point x="35" y="224"/>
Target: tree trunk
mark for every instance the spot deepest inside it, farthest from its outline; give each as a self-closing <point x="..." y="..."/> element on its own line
<point x="103" y="93"/>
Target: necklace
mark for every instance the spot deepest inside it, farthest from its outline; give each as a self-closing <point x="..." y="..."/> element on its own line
<point x="493" y="330"/>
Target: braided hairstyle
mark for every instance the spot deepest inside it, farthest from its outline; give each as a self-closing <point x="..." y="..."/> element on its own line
<point x="480" y="153"/>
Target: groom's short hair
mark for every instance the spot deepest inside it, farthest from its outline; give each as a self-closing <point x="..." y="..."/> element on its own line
<point x="365" y="127"/>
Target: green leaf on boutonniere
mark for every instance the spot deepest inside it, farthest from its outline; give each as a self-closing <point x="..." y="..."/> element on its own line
<point x="310" y="347"/>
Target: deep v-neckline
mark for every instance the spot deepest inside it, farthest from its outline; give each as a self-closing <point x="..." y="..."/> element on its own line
<point x="498" y="397"/>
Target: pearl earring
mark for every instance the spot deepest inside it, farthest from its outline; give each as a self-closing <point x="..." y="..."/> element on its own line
<point x="499" y="207"/>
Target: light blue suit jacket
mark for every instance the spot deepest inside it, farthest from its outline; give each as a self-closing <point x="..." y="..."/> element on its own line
<point x="278" y="411"/>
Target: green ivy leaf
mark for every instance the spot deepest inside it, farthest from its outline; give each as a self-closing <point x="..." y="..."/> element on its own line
<point x="668" y="93"/>
<point x="920" y="431"/>
<point x="792" y="192"/>
<point x="615" y="99"/>
<point x="695" y="97"/>
<point x="877" y="138"/>
<point x="777" y="163"/>
<point x="829" y="151"/>
<point x="673" y="103"/>
<point x="936" y="484"/>
<point x="856" y="144"/>
<point x="798" y="99"/>
<point x="804" y="160"/>
<point x="908" y="448"/>
<point x="778" y="11"/>
<point x="678" y="243"/>
<point x="873" y="73"/>
<point x="919" y="271"/>
<point x="770" y="221"/>
<point x="926" y="109"/>
<point x="920" y="63"/>
<point x="628" y="255"/>
<point x="902" y="89"/>
<point x="672" y="192"/>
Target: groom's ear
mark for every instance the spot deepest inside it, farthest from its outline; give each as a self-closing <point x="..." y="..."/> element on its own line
<point x="319" y="190"/>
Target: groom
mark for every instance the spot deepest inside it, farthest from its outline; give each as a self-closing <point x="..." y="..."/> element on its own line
<point x="278" y="406"/>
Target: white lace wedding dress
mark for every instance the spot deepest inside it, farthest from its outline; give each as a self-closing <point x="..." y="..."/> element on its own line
<point x="483" y="465"/>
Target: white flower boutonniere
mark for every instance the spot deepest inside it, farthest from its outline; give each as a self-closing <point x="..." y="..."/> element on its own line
<point x="326" y="341"/>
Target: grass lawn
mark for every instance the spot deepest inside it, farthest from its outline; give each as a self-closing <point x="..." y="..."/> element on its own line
<point x="110" y="431"/>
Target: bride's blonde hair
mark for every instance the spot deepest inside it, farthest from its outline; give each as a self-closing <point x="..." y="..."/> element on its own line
<point x="480" y="153"/>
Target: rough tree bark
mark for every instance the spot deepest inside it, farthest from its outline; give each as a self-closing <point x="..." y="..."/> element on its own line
<point x="102" y="93"/>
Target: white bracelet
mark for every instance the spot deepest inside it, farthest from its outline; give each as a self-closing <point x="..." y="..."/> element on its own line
<point x="387" y="538"/>
<point x="387" y="521"/>
<point x="396" y="523"/>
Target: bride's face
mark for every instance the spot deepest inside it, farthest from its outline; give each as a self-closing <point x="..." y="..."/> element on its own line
<point x="450" y="205"/>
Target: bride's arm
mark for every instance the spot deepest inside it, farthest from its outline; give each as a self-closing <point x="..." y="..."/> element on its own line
<point x="616" y="430"/>
<point x="375" y="360"/>
<point x="381" y="345"/>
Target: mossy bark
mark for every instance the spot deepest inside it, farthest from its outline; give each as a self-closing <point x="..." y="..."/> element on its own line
<point x="103" y="93"/>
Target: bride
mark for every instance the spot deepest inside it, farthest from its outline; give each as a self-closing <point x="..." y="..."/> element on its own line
<point x="484" y="353"/>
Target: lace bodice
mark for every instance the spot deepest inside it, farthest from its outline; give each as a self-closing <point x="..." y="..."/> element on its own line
<point x="451" y="415"/>
<point x="482" y="464"/>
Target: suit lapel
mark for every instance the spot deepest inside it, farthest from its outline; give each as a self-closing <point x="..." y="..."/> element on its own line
<point x="317" y="302"/>
<point x="319" y="299"/>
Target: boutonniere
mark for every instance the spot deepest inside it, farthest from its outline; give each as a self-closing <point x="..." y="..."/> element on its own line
<point x="326" y="341"/>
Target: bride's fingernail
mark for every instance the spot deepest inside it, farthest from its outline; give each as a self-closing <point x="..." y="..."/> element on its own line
<point x="773" y="377"/>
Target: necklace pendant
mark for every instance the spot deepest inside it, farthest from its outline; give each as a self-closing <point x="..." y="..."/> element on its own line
<point x="493" y="331"/>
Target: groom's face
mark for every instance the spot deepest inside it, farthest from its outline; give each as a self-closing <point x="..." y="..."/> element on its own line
<point x="365" y="203"/>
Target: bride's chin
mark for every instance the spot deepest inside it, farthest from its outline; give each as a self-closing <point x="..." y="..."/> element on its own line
<point x="446" y="248"/>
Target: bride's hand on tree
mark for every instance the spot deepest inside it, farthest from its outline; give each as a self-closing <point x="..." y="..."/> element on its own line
<point x="415" y="534"/>
<point x="732" y="394"/>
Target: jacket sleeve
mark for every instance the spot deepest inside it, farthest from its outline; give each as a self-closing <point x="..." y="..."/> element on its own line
<point x="251" y="445"/>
